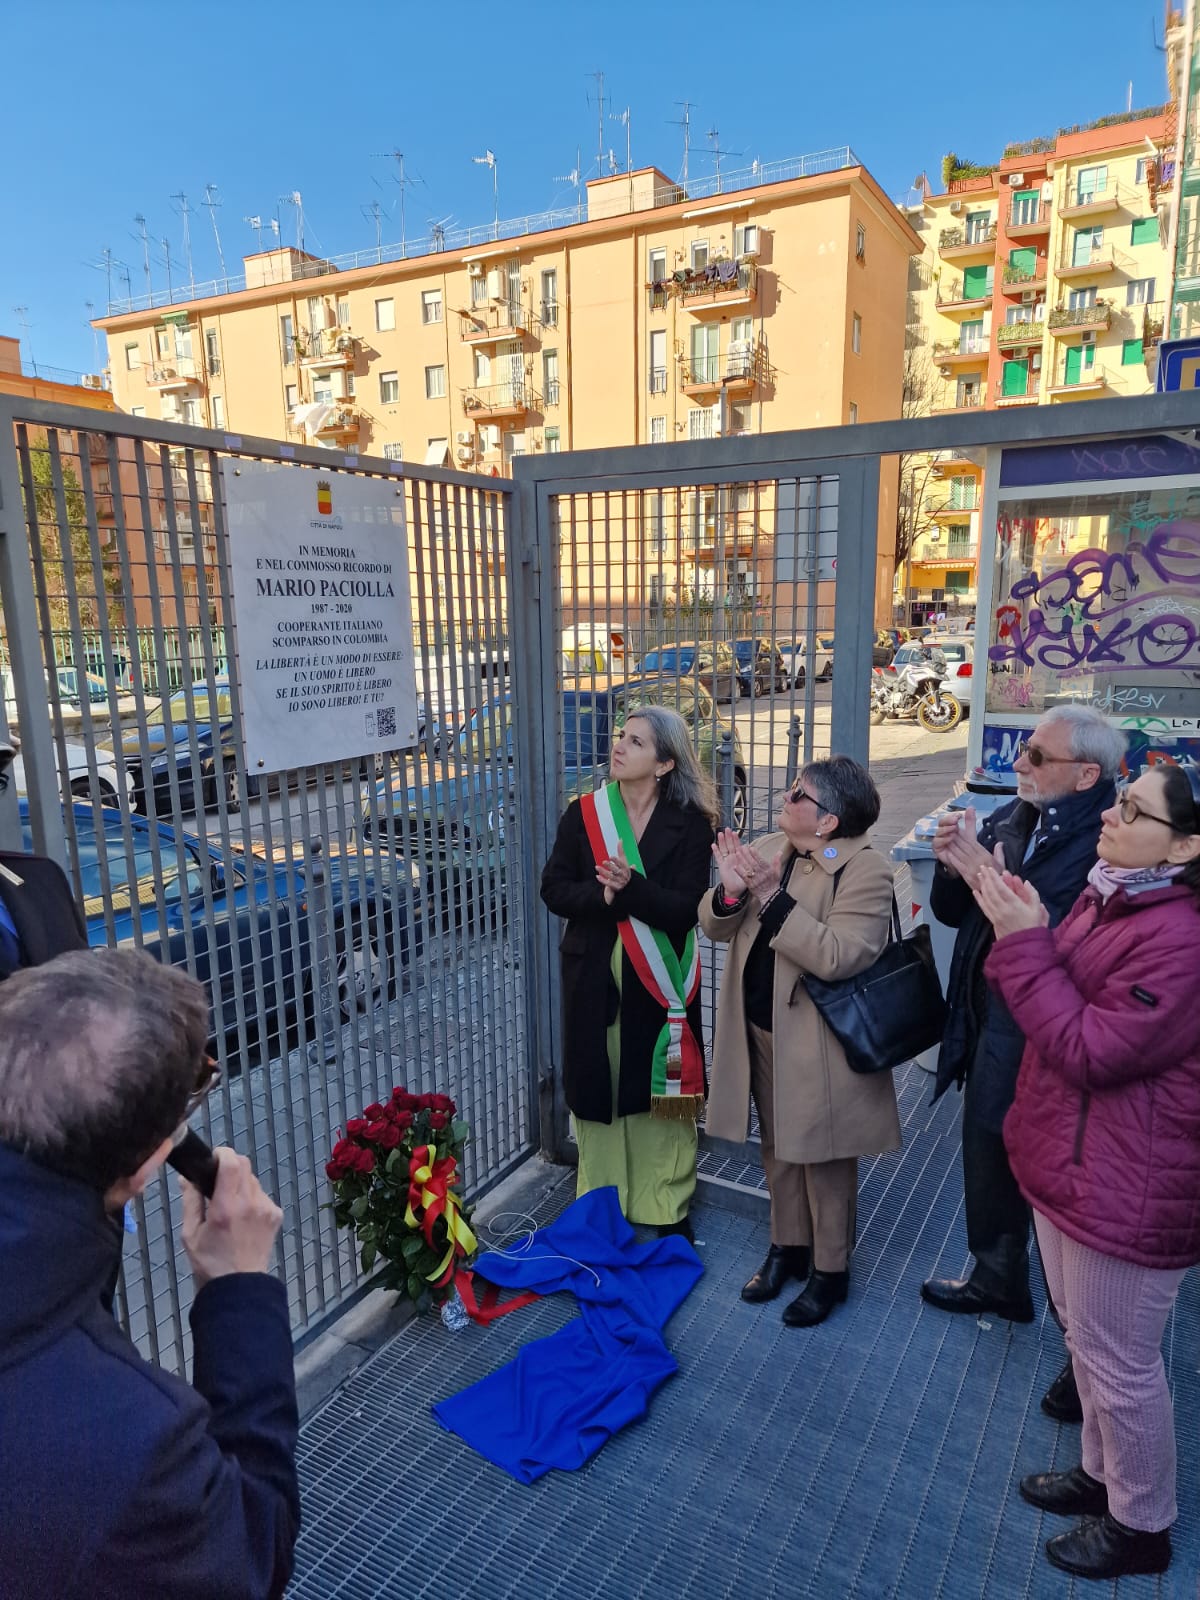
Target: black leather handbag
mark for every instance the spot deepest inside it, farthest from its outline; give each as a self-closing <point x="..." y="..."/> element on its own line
<point x="888" y="1014"/>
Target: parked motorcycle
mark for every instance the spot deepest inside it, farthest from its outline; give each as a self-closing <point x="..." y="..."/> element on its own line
<point x="914" y="690"/>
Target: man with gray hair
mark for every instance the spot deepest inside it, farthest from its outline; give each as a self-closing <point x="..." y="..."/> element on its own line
<point x="1048" y="835"/>
<point x="120" y="1480"/>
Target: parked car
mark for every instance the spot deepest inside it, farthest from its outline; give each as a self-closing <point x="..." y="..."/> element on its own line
<point x="115" y="785"/>
<point x="760" y="666"/>
<point x="795" y="657"/>
<point x="960" y="655"/>
<point x="711" y="665"/>
<point x="73" y="687"/>
<point x="371" y="918"/>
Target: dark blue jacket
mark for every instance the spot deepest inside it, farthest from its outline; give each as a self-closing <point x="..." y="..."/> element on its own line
<point x="981" y="1037"/>
<point x="119" y="1481"/>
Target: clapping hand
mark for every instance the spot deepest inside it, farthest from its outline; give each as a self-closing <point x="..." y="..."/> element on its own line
<point x="613" y="873"/>
<point x="957" y="848"/>
<point x="741" y="867"/>
<point x="1009" y="903"/>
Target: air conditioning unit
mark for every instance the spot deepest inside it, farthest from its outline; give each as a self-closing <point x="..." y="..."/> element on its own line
<point x="1048" y="190"/>
<point x="943" y="372"/>
<point x="1036" y="362"/>
<point x="463" y="438"/>
<point x="92" y="380"/>
<point x="1028" y="296"/>
<point x="1015" y="180"/>
<point x="474" y="269"/>
<point x="497" y="285"/>
<point x="464" y="452"/>
<point x="955" y="207"/>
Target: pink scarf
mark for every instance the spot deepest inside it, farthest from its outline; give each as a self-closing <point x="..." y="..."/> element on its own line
<point x="1106" y="880"/>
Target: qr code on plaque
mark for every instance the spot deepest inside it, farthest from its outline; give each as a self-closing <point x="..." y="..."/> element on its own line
<point x="385" y="722"/>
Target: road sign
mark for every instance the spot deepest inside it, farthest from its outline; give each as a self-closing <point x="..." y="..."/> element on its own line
<point x="1178" y="365"/>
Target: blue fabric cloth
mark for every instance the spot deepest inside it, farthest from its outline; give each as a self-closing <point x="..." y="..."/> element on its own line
<point x="562" y="1397"/>
<point x="10" y="942"/>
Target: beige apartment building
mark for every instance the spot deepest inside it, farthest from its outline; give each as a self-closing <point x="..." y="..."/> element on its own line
<point x="654" y="318"/>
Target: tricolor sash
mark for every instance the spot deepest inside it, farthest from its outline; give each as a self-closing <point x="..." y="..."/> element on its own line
<point x="677" y="1066"/>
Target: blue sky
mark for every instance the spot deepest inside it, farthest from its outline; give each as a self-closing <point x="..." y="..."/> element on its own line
<point x="112" y="106"/>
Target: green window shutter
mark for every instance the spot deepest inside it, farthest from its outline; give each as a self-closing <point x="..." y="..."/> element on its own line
<point x="1132" y="353"/>
<point x="1144" y="231"/>
<point x="1023" y="260"/>
<point x="1016" y="377"/>
<point x="1074" y="363"/>
<point x="975" y="283"/>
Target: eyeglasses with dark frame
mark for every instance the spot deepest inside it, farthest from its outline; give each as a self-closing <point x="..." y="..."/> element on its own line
<point x="797" y="793"/>
<point x="1037" y="757"/>
<point x="1130" y="811"/>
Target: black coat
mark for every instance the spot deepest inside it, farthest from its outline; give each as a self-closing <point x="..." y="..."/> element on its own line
<point x="42" y="907"/>
<point x="981" y="1037"/>
<point x="676" y="851"/>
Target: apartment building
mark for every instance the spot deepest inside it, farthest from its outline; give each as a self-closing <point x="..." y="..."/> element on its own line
<point x="1042" y="280"/>
<point x="660" y="315"/>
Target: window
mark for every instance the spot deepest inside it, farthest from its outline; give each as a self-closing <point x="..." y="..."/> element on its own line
<point x="853" y="411"/>
<point x="654" y="520"/>
<point x="479" y="292"/>
<point x="137" y="411"/>
<point x="745" y="239"/>
<point x="700" y="423"/>
<point x="1139" y="291"/>
<point x="133" y="357"/>
<point x="1132" y="353"/>
<point x="860" y="242"/>
<point x="343" y="311"/>
<point x="1081" y="299"/>
<point x="1025" y="208"/>
<point x="287" y="337"/>
<point x="856" y="334"/>
<point x="1139" y="174"/>
<point x="431" y="305"/>
<point x="656" y="265"/>
<point x="389" y="388"/>
<point x="958" y="582"/>
<point x="218" y="411"/>
<point x="977" y="227"/>
<point x="658" y="361"/>
<point x="1090" y="182"/>
<point x="212" y="354"/>
<point x="351" y="386"/>
<point x="971" y="337"/>
<point x="658" y="430"/>
<point x="324" y="388"/>
<point x="385" y="315"/>
<point x="393" y="452"/>
<point x="1086" y="246"/>
<point x="962" y="493"/>
<point x="550" y="297"/>
<point x="739" y="356"/>
<point x="550" y="376"/>
<point x="291" y="397"/>
<point x="553" y="443"/>
<point x="738" y="419"/>
<point x="162" y="342"/>
<point x="316" y="316"/>
<point x="435" y="383"/>
<point x="958" y="538"/>
<point x="436" y="451"/>
<point x="699" y="255"/>
<point x="1144" y="231"/>
<point x="189" y="413"/>
<point x="483" y="368"/>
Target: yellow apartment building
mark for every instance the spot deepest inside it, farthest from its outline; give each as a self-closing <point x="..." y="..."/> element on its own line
<point x="1042" y="280"/>
<point x="655" y="317"/>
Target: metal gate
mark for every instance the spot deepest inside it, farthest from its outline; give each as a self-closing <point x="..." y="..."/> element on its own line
<point x="357" y="925"/>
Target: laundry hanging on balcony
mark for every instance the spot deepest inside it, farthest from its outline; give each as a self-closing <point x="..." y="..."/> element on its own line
<point x="564" y="1396"/>
<point x="312" y="418"/>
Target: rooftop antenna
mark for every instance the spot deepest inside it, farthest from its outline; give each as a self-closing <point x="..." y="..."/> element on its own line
<point x="437" y="232"/>
<point x="123" y="269"/>
<point x="22" y="315"/>
<point x="257" y="224"/>
<point x="296" y="199"/>
<point x="141" y="222"/>
<point x="626" y="118"/>
<point x="714" y="139"/>
<point x="572" y="177"/>
<point x="404" y="182"/>
<point x="166" y="244"/>
<point x="375" y="212"/>
<point x="185" y="211"/>
<point x="599" y="77"/>
<point x="211" y="201"/>
<point x="488" y="159"/>
<point x="685" y="122"/>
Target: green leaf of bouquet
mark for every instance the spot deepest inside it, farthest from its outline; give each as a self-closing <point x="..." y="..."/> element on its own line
<point x="368" y="1255"/>
<point x="460" y="1132"/>
<point x="359" y="1209"/>
<point x="415" y="1286"/>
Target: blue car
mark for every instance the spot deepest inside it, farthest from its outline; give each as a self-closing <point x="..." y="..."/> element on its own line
<point x="369" y="909"/>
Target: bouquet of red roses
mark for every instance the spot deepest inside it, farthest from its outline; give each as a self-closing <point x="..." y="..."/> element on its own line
<point x="395" y="1177"/>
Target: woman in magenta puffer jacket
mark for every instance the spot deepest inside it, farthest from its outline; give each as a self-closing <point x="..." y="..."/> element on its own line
<point x="1104" y="1140"/>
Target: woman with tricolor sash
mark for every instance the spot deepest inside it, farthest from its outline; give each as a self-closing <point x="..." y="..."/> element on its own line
<point x="628" y="867"/>
<point x="812" y="898"/>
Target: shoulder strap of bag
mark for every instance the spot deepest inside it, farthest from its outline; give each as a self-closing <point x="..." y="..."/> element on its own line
<point x="894" y="934"/>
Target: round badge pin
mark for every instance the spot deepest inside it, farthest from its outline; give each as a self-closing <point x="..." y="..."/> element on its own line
<point x="829" y="853"/>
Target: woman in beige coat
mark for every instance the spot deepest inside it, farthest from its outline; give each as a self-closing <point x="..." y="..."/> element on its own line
<point x="812" y="898"/>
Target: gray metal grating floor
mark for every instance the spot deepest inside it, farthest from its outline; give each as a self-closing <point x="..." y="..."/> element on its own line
<point x="874" y="1456"/>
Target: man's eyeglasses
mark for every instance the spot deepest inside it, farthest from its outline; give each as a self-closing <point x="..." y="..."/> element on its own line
<point x="798" y="792"/>
<point x="1037" y="757"/>
<point x="208" y="1076"/>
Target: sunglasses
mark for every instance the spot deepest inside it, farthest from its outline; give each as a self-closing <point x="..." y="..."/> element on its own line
<point x="1037" y="757"/>
<point x="797" y="793"/>
<point x="208" y="1076"/>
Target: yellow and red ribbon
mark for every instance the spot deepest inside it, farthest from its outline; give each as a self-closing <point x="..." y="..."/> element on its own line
<point x="431" y="1195"/>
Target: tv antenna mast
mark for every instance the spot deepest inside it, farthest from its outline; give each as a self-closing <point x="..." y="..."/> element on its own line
<point x="599" y="77"/>
<point x="211" y="201"/>
<point x="714" y="139"/>
<point x="404" y="182"/>
<point x="22" y="315"/>
<point x="166" y="244"/>
<point x="145" y="238"/>
<point x="625" y="117"/>
<point x="257" y="224"/>
<point x="437" y="232"/>
<point x="90" y="307"/>
<point x="374" y="213"/>
<point x="488" y="159"/>
<point x="185" y="211"/>
<point x="296" y="199"/>
<point x="572" y="178"/>
<point x="685" y="122"/>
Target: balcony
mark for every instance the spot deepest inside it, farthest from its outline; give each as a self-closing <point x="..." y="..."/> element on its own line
<point x="658" y="380"/>
<point x="486" y="324"/>
<point x="1091" y="202"/>
<point x="1096" y="265"/>
<point x="1026" y="221"/>
<point x="181" y="373"/>
<point x="1026" y="396"/>
<point x="1064" y="320"/>
<point x="498" y="400"/>
<point x="1014" y="335"/>
<point x="703" y="377"/>
<point x="959" y="553"/>
<point x="1088" y="383"/>
<point x="957" y="507"/>
<point x="963" y="400"/>
<point x="969" y="352"/>
<point x="953" y="296"/>
<point x="1019" y="280"/>
<point x="327" y="347"/>
<point x="1152" y="323"/>
<point x="716" y="287"/>
<point x="341" y="424"/>
<point x="551" y="391"/>
<point x="956" y="244"/>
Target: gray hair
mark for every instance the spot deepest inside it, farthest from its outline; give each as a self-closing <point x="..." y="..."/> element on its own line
<point x="1092" y="736"/>
<point x="99" y="1052"/>
<point x="687" y="784"/>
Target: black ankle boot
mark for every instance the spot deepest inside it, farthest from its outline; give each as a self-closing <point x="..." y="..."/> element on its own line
<point x="783" y="1261"/>
<point x="1061" y="1399"/>
<point x="1102" y="1547"/>
<point x="682" y="1229"/>
<point x="823" y="1291"/>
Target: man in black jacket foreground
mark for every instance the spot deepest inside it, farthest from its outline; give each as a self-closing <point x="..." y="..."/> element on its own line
<point x="1048" y="835"/>
<point x="121" y="1480"/>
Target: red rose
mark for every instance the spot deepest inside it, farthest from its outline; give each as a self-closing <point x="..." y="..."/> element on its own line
<point x="390" y="1137"/>
<point x="403" y="1119"/>
<point x="443" y="1102"/>
<point x="438" y="1119"/>
<point x="341" y="1150"/>
<point x="364" y="1161"/>
<point x="373" y="1112"/>
<point x="356" y="1126"/>
<point x="402" y="1098"/>
<point x="335" y="1171"/>
<point x="375" y="1131"/>
<point x="426" y="1101"/>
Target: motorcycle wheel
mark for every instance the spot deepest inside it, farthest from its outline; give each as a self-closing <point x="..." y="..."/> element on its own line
<point x="876" y="716"/>
<point x="939" y="716"/>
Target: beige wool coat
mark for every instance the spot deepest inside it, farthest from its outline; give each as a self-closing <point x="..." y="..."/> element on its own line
<point x="823" y="1110"/>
